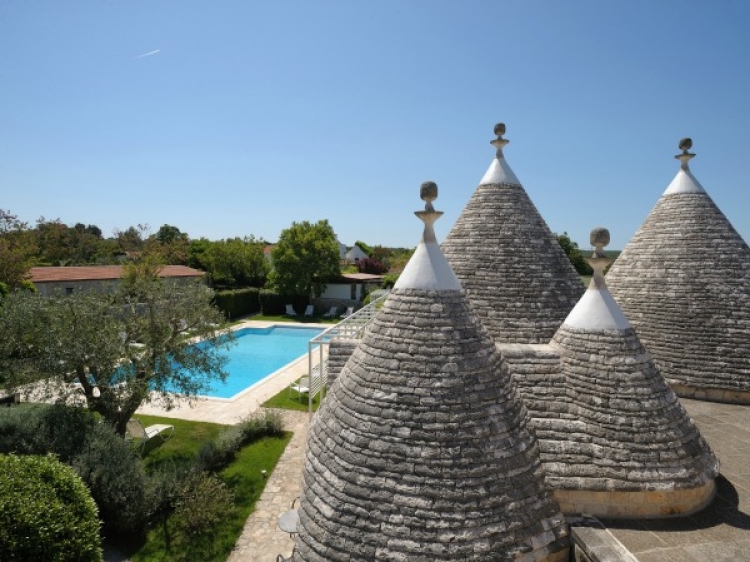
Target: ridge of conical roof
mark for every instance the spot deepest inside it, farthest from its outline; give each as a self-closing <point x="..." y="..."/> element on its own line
<point x="518" y="279"/>
<point x="683" y="281"/>
<point x="420" y="450"/>
<point x="628" y="422"/>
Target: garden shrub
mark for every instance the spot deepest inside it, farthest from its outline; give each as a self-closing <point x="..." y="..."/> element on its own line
<point x="46" y="512"/>
<point x="204" y="501"/>
<point x="105" y="462"/>
<point x="238" y="302"/>
<point x="116" y="478"/>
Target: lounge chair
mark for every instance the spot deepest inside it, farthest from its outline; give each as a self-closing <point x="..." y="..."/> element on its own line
<point x="331" y="313"/>
<point x="135" y="430"/>
<point x="310" y="310"/>
<point x="349" y="312"/>
<point x="290" y="310"/>
<point x="301" y="386"/>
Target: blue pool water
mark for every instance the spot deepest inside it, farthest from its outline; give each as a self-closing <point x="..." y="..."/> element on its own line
<point x="258" y="353"/>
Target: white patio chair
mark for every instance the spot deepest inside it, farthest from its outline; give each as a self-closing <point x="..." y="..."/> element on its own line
<point x="331" y="313"/>
<point x="348" y="313"/>
<point x="301" y="386"/>
<point x="135" y="430"/>
<point x="310" y="310"/>
<point x="290" y="310"/>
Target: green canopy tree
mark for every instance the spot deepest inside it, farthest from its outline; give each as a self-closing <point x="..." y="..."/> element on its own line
<point x="305" y="258"/>
<point x="17" y="250"/>
<point x="124" y="349"/>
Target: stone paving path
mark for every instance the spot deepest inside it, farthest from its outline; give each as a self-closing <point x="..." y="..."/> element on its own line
<point x="261" y="539"/>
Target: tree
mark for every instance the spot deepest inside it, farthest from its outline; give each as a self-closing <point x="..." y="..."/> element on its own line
<point x="574" y="254"/>
<point x="306" y="256"/>
<point x="120" y="347"/>
<point x="17" y="250"/>
<point x="171" y="243"/>
<point x="371" y="265"/>
<point x="237" y="262"/>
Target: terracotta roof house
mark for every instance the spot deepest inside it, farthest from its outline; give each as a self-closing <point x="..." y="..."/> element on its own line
<point x="48" y="280"/>
<point x="421" y="450"/>
<point x="517" y="277"/>
<point x="683" y="280"/>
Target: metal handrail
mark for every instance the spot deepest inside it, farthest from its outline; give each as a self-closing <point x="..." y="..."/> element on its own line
<point x="352" y="327"/>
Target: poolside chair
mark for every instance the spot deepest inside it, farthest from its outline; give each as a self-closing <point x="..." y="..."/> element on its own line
<point x="348" y="313"/>
<point x="135" y="430"/>
<point x="310" y="310"/>
<point x="331" y="313"/>
<point x="301" y="386"/>
<point x="290" y="310"/>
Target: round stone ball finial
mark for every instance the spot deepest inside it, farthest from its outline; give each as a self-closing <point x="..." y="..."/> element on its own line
<point x="500" y="129"/>
<point x="599" y="237"/>
<point x="686" y="144"/>
<point x="428" y="191"/>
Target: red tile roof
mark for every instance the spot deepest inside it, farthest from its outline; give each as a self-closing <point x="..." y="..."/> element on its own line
<point x="100" y="273"/>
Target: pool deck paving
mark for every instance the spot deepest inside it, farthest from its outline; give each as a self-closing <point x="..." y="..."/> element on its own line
<point x="719" y="533"/>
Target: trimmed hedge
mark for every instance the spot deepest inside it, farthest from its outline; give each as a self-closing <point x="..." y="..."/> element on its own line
<point x="238" y="302"/>
<point x="46" y="512"/>
<point x="274" y="304"/>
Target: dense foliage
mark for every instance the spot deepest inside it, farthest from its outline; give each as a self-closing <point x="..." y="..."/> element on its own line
<point x="574" y="254"/>
<point x="235" y="262"/>
<point x="118" y="347"/>
<point x="304" y="259"/>
<point x="46" y="512"/>
<point x="372" y="266"/>
<point x="238" y="302"/>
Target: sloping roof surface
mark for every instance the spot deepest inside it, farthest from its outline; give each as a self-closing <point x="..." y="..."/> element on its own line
<point x="517" y="277"/>
<point x="683" y="281"/>
<point x="100" y="273"/>
<point x="420" y="451"/>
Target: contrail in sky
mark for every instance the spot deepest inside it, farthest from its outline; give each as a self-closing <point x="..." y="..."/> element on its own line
<point x="148" y="54"/>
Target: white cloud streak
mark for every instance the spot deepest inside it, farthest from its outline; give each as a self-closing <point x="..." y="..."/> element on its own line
<point x="150" y="53"/>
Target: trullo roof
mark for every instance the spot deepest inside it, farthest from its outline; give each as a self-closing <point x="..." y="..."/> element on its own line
<point x="629" y="431"/>
<point x="683" y="281"/>
<point x="421" y="451"/>
<point x="517" y="277"/>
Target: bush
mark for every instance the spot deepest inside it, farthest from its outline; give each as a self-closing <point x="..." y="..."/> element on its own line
<point x="46" y="512"/>
<point x="238" y="302"/>
<point x="204" y="501"/>
<point x="372" y="266"/>
<point x="274" y="304"/>
<point x="217" y="454"/>
<point x="116" y="478"/>
<point x="105" y="462"/>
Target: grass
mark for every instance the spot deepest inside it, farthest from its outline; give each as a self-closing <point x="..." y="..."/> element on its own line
<point x="284" y="401"/>
<point x="299" y="319"/>
<point x="243" y="476"/>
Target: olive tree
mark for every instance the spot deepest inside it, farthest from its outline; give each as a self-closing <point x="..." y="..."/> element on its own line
<point x="118" y="349"/>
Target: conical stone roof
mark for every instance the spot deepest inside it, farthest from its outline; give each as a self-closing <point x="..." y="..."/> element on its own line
<point x="629" y="432"/>
<point x="420" y="451"/>
<point x="684" y="282"/>
<point x="517" y="277"/>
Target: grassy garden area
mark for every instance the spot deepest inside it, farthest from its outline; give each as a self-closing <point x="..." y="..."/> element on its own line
<point x="283" y="400"/>
<point x="182" y="536"/>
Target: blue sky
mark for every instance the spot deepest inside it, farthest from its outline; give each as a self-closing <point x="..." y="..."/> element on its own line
<point x="232" y="118"/>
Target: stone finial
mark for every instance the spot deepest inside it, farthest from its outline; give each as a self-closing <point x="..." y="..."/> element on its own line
<point x="684" y="157"/>
<point x="599" y="260"/>
<point x="499" y="142"/>
<point x="428" y="191"/>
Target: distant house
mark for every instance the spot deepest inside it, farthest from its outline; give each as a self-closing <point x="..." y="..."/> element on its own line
<point x="351" y="287"/>
<point x="355" y="254"/>
<point x="98" y="278"/>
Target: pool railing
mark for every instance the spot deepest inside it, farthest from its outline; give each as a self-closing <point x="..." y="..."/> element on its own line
<point x="353" y="327"/>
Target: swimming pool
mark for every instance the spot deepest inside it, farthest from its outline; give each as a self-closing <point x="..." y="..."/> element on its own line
<point x="260" y="352"/>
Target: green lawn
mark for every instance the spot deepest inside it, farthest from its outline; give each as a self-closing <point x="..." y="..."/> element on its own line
<point x="243" y="476"/>
<point x="285" y="402"/>
<point x="299" y="319"/>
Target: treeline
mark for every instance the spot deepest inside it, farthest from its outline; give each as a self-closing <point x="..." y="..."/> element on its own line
<point x="235" y="262"/>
